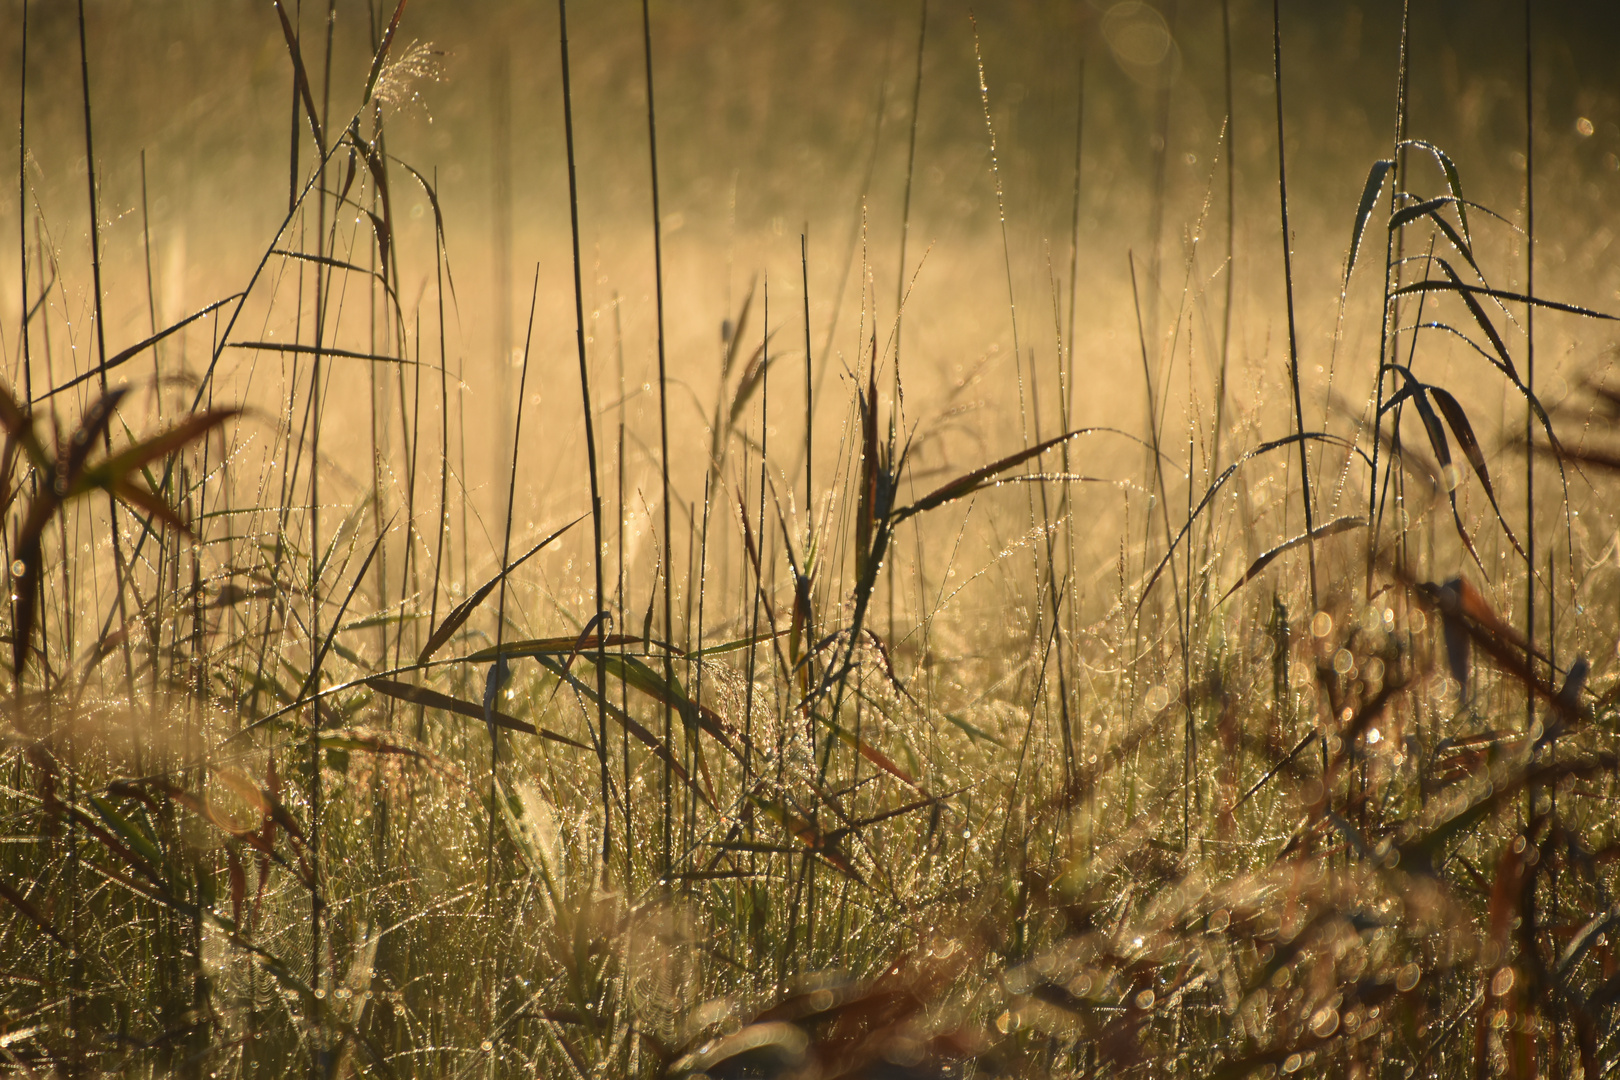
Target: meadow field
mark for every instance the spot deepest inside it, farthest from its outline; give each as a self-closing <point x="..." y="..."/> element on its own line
<point x="770" y="540"/>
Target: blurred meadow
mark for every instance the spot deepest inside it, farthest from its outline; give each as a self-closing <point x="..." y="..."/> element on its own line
<point x="859" y="556"/>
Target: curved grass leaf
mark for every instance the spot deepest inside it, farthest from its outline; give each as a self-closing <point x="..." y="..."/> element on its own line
<point x="1502" y="294"/>
<point x="1331" y="528"/>
<point x="1227" y="474"/>
<point x="1369" y="197"/>
<point x="874" y="755"/>
<point x="738" y="329"/>
<point x="1453" y="180"/>
<point x="555" y="646"/>
<point x="1431" y="209"/>
<point x="638" y="676"/>
<point x="139" y="347"/>
<point x="985" y="476"/>
<point x="1463" y="432"/>
<point x="438" y="219"/>
<point x="460" y="613"/>
<point x="1468" y="294"/>
<point x="625" y="720"/>
<point x="328" y="351"/>
<point x="1442" y="452"/>
<point x="433" y="699"/>
<point x="300" y="74"/>
<point x="382" y="53"/>
<point x="1410" y="213"/>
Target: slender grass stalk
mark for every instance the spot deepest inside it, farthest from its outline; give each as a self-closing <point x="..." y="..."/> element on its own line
<point x="151" y="294"/>
<point x="1001" y="214"/>
<point x="896" y="418"/>
<point x="22" y="278"/>
<point x="1386" y="344"/>
<point x="500" y="115"/>
<point x="1012" y="309"/>
<point x="905" y="206"/>
<point x="759" y="538"/>
<point x="1067" y="349"/>
<point x="101" y="353"/>
<point x="1530" y="356"/>
<point x="1054" y="588"/>
<point x="857" y="231"/>
<point x="590" y="443"/>
<point x="318" y="1054"/>
<point x="1163" y="500"/>
<point x="618" y="535"/>
<point x="95" y="218"/>
<point x="1288" y="283"/>
<point x="441" y="532"/>
<point x="1161" y="176"/>
<point x="809" y="406"/>
<point x="498" y="673"/>
<point x="377" y="386"/>
<point x="663" y="413"/>
<point x="1231" y="229"/>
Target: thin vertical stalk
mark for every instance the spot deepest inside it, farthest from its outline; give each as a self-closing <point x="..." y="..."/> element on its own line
<point x="1188" y="751"/>
<point x="22" y="252"/>
<point x="757" y="543"/>
<point x="1529" y="358"/>
<point x="857" y="232"/>
<point x="1161" y="177"/>
<point x="895" y="417"/>
<point x="1386" y="346"/>
<point x="1001" y="213"/>
<point x="663" y="408"/>
<point x="498" y="672"/>
<point x="1012" y="309"/>
<point x="618" y="535"/>
<point x="1288" y="282"/>
<point x="101" y="348"/>
<point x="590" y="440"/>
<point x="442" y="530"/>
<point x="1074" y="219"/>
<point x="1231" y="205"/>
<point x="151" y="295"/>
<point x="1066" y="349"/>
<point x="500" y="95"/>
<point x="297" y="103"/>
<point x="95" y="219"/>
<point x="905" y="208"/>
<point x="1054" y="590"/>
<point x="809" y="403"/>
<point x="317" y="1057"/>
<point x="22" y="203"/>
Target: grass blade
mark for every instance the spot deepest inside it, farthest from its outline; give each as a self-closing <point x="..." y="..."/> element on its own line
<point x="139" y="347"/>
<point x="433" y="699"/>
<point x="985" y="476"/>
<point x="1369" y="196"/>
<point x="1331" y="528"/>
<point x="1463" y="432"/>
<point x="460" y="613"/>
<point x="1453" y="180"/>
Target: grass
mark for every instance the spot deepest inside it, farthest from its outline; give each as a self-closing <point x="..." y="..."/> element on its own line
<point x="860" y="739"/>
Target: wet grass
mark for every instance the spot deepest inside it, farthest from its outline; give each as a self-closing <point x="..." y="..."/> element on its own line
<point x="899" y="730"/>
